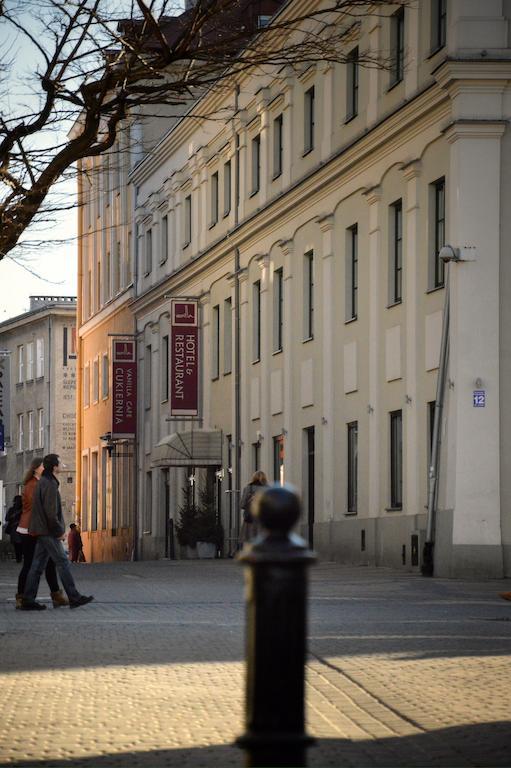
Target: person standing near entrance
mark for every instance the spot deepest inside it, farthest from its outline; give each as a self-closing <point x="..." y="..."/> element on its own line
<point x="47" y="524"/>
<point x="257" y="484"/>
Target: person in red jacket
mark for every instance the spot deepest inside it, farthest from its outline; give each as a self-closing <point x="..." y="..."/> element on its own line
<point x="74" y="543"/>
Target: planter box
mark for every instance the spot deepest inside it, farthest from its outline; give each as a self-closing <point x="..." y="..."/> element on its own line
<point x="206" y="550"/>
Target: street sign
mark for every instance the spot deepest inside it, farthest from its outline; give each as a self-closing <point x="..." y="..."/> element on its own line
<point x="184" y="358"/>
<point x="479" y="398"/>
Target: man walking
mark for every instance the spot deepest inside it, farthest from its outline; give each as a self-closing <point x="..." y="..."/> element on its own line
<point x="47" y="524"/>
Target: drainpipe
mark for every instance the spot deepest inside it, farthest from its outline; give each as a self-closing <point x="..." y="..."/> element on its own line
<point x="447" y="254"/>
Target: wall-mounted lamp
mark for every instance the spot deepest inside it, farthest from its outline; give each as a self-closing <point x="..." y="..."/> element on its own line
<point x="408" y="399"/>
<point x="370" y="408"/>
<point x="323" y="420"/>
<point x="478" y="383"/>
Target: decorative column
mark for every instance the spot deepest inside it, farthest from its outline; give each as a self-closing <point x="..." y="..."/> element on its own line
<point x="240" y="123"/>
<point x="412" y="56"/>
<point x="474" y="224"/>
<point x="327" y="117"/>
<point x="326" y="224"/>
<point x="287" y="160"/>
<point x="373" y="74"/>
<point x="178" y="218"/>
<point x="266" y="314"/>
<point x="203" y="211"/>
<point x="262" y="97"/>
<point x="412" y="173"/>
<point x="292" y="470"/>
<point x="373" y="197"/>
<point x="195" y="233"/>
<point x="205" y="379"/>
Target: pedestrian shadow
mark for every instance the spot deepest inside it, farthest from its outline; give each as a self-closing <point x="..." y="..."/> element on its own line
<point x="483" y="745"/>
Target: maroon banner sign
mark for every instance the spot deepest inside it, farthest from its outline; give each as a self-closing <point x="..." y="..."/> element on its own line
<point x="184" y="358"/>
<point x="124" y="385"/>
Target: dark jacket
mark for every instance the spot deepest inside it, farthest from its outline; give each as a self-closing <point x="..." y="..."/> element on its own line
<point x="47" y="518"/>
<point x="247" y="498"/>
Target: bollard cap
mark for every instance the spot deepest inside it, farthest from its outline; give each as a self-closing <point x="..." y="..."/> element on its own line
<point x="277" y="509"/>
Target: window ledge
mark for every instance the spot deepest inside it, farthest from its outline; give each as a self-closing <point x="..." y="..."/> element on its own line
<point x="213" y="224"/>
<point x="309" y="338"/>
<point x="185" y="245"/>
<point x="253" y="193"/>
<point x="19" y="384"/>
<point x="394" y="304"/>
<point x="276" y="176"/>
<point x="307" y="151"/>
<point x="30" y="381"/>
<point x="393" y="509"/>
<point x="39" y="378"/>
<point x="215" y="378"/>
<point x="435" y="289"/>
<point x="349" y="118"/>
<point x="226" y="213"/>
<point x="161" y="263"/>
<point x="434" y="51"/>
<point x="278" y="351"/>
<point x="394" y="84"/>
<point x="351" y="320"/>
<point x="257" y="360"/>
<point x="350" y="514"/>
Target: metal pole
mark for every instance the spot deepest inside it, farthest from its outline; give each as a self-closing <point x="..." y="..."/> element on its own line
<point x="434" y="464"/>
<point x="237" y="339"/>
<point x="276" y="587"/>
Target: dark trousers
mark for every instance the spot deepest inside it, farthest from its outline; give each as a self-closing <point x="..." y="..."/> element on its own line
<point x="28" y="544"/>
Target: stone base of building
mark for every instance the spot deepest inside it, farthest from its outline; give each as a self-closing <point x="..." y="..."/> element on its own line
<point x="397" y="542"/>
<point x="106" y="546"/>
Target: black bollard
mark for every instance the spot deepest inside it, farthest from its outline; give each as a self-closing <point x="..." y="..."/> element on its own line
<point x="276" y="591"/>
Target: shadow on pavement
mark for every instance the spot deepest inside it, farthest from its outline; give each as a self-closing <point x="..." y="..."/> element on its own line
<point x="487" y="744"/>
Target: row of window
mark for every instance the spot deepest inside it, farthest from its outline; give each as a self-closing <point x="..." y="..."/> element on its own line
<point x="30" y="366"/>
<point x="107" y="489"/>
<point x="33" y="438"/>
<point x="93" y="396"/>
<point x="397" y="46"/>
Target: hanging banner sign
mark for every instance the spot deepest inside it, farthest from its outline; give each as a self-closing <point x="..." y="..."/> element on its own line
<point x="184" y="358"/>
<point x="124" y="386"/>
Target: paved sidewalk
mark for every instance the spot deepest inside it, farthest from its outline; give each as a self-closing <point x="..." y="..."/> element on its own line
<point x="402" y="671"/>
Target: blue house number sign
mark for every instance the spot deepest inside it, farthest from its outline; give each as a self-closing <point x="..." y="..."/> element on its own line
<point x="479" y="398"/>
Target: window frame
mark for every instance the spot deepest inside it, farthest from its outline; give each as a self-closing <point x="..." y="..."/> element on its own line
<point x="396" y="276"/>
<point x="164" y="369"/>
<point x="309" y="98"/>
<point x="352" y="468"/>
<point x="396" y="459"/>
<point x="438" y="272"/>
<point x="21" y="432"/>
<point x="308" y="293"/>
<point x="164" y="238"/>
<point x="105" y="376"/>
<point x="148" y="377"/>
<point x="256" y="321"/>
<point x="278" y="310"/>
<point x="255" y="148"/>
<point x="148" y="252"/>
<point x="352" y="272"/>
<point x="187" y="213"/>
<point x="40" y="427"/>
<point x="215" y="342"/>
<point x="21" y="364"/>
<point x="227" y="336"/>
<point x="278" y="146"/>
<point x="397" y="45"/>
<point x="227" y="188"/>
<point x="214" y="207"/>
<point x="352" y="84"/>
<point x="438" y="25"/>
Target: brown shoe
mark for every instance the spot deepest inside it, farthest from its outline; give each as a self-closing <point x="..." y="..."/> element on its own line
<point x="505" y="595"/>
<point x="19" y="601"/>
<point x="59" y="599"/>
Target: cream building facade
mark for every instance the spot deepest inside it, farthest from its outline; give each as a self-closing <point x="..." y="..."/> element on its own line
<point x="350" y="181"/>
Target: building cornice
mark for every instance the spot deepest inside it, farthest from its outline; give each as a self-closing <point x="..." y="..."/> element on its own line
<point x="35" y="315"/>
<point x="120" y="303"/>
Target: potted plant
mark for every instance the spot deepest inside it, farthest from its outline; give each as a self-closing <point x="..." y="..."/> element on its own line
<point x="209" y="530"/>
<point x="187" y="525"/>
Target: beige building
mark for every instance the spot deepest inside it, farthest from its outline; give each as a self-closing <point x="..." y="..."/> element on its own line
<point x="350" y="180"/>
<point x="38" y="360"/>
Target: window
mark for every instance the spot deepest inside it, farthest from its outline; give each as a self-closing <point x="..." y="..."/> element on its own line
<point x="278" y="124"/>
<point x="256" y="321"/>
<point x="228" y="335"/>
<point x="39" y="358"/>
<point x="278" y="309"/>
<point x="256" y="456"/>
<point x="215" y="342"/>
<point x="214" y="198"/>
<point x="107" y="288"/>
<point x="30" y="360"/>
<point x="164" y="368"/>
<point x="352" y="272"/>
<point x="278" y="459"/>
<point x="94" y="491"/>
<point x="21" y="364"/>
<point x="431" y="428"/>
<point x="438" y="24"/>
<point x="117" y="268"/>
<point x="104" y="486"/>
<point x="164" y="239"/>
<point x="227" y="188"/>
<point x="31" y="430"/>
<point x="308" y="107"/>
<point x="95" y="380"/>
<point x="40" y="428"/>
<point x="352" y="85"/>
<point x="188" y="221"/>
<point x="105" y="370"/>
<point x="438" y="190"/>
<point x="85" y="493"/>
<point x="148" y="509"/>
<point x="256" y="163"/>
<point x="308" y="291"/>
<point x="148" y="379"/>
<point x="263" y="20"/>
<point x="21" y="437"/>
<point x="396" y="223"/>
<point x="397" y="45"/>
<point x="352" y="500"/>
<point x="396" y="459"/>
<point x="86" y="385"/>
<point x="148" y="251"/>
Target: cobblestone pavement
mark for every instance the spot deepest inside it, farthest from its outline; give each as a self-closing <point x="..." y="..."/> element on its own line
<point x="403" y="671"/>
